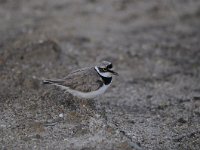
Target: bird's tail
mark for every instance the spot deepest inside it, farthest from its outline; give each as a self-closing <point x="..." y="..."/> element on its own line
<point x="47" y="82"/>
<point x="52" y="81"/>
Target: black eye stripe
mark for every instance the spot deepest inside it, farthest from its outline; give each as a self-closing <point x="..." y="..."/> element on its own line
<point x="109" y="66"/>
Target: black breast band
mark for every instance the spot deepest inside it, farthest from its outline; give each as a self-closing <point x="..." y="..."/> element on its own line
<point x="106" y="80"/>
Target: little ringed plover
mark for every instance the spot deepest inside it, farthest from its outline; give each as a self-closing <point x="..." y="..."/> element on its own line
<point x="87" y="82"/>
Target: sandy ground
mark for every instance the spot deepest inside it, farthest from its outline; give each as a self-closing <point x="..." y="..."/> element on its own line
<point x="153" y="105"/>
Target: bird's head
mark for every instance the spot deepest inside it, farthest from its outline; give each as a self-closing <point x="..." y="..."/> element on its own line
<point x="105" y="69"/>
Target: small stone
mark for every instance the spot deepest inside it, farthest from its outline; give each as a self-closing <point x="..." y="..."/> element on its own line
<point x="61" y="115"/>
<point x="3" y="125"/>
<point x="182" y="120"/>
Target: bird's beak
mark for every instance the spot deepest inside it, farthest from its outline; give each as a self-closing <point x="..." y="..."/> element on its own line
<point x="113" y="72"/>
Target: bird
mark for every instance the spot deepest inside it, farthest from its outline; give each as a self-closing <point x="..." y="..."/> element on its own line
<point x="88" y="82"/>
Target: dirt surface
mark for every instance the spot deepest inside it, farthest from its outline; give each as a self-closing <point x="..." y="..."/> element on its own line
<point x="154" y="45"/>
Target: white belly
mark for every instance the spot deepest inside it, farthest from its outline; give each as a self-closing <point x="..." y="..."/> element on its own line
<point x="87" y="95"/>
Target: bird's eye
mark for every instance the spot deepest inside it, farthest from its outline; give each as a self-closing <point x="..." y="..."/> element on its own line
<point x="104" y="69"/>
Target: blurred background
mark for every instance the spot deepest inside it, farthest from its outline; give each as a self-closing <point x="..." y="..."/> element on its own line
<point x="155" y="47"/>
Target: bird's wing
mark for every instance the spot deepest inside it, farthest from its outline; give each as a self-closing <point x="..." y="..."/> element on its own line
<point x="84" y="80"/>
